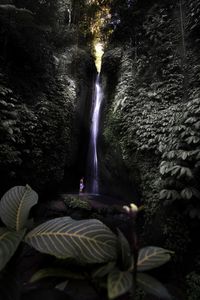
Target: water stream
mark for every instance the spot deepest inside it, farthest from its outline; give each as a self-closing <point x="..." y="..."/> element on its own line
<point x="93" y="153"/>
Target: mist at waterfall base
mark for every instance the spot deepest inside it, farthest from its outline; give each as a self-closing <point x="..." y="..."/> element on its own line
<point x="93" y="171"/>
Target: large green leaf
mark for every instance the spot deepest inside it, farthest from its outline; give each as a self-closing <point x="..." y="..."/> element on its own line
<point x="88" y="241"/>
<point x="104" y="270"/>
<point x="125" y="252"/>
<point x="152" y="257"/>
<point x="119" y="283"/>
<point x="61" y="286"/>
<point x="55" y="272"/>
<point x="152" y="286"/>
<point x="9" y="241"/>
<point x="15" y="206"/>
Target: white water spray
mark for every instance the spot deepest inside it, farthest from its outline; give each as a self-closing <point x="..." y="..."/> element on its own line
<point x="93" y="171"/>
<point x="97" y="101"/>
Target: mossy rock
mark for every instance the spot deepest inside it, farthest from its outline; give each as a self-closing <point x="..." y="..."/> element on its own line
<point x="76" y="201"/>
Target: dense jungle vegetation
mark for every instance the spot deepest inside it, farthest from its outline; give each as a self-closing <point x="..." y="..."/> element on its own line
<point x="46" y="68"/>
<point x="149" y="145"/>
<point x="152" y="113"/>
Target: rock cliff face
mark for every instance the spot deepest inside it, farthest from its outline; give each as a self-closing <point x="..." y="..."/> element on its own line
<point x="152" y="111"/>
<point x="46" y="79"/>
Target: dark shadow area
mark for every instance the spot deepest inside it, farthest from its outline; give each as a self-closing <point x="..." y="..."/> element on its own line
<point x="78" y="168"/>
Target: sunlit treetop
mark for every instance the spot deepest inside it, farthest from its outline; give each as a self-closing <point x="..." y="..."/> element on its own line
<point x="104" y="17"/>
<point x="100" y="13"/>
<point x="99" y="51"/>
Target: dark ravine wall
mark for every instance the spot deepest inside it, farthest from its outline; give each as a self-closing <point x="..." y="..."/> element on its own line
<point x="41" y="64"/>
<point x="115" y="176"/>
<point x="85" y="76"/>
<point x="152" y="115"/>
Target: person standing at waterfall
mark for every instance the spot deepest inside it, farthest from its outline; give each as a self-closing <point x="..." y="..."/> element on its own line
<point x="82" y="186"/>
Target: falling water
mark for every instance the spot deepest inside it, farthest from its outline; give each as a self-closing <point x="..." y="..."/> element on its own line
<point x="92" y="170"/>
<point x="93" y="154"/>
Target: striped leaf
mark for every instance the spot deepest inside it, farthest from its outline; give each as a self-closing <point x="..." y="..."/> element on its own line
<point x="119" y="283"/>
<point x="125" y="252"/>
<point x="152" y="286"/>
<point x="15" y="206"/>
<point x="152" y="257"/>
<point x="104" y="270"/>
<point x="55" y="272"/>
<point x="61" y="286"/>
<point x="88" y="241"/>
<point x="9" y="241"/>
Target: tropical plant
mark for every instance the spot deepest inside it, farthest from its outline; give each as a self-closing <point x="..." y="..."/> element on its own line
<point x="180" y="165"/>
<point x="85" y="242"/>
<point x="193" y="285"/>
<point x="120" y="279"/>
<point x="77" y="202"/>
<point x="15" y="206"/>
<point x="91" y="242"/>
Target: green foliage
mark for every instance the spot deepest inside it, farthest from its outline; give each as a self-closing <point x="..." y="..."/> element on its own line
<point x="152" y="114"/>
<point x="39" y="53"/>
<point x="146" y="98"/>
<point x="176" y="235"/>
<point x="179" y="168"/>
<point x="125" y="252"/>
<point x="55" y="272"/>
<point x="119" y="283"/>
<point x="193" y="286"/>
<point x="29" y="143"/>
<point x="152" y="257"/>
<point x="152" y="286"/>
<point x="104" y="270"/>
<point x="10" y="156"/>
<point x="193" y="23"/>
<point x="77" y="202"/>
<point x="87" y="241"/>
<point x="9" y="242"/>
<point x="15" y="206"/>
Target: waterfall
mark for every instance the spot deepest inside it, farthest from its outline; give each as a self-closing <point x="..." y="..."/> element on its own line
<point x="92" y="185"/>
<point x="93" y="153"/>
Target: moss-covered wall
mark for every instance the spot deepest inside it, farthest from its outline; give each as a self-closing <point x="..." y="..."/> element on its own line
<point x="152" y="114"/>
<point x="46" y="78"/>
<point x="115" y="178"/>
